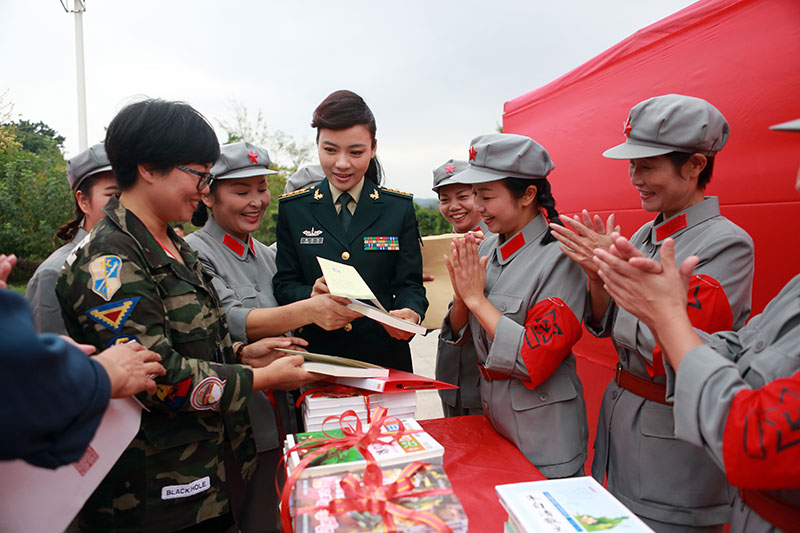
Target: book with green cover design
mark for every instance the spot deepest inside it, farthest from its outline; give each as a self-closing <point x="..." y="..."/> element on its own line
<point x="417" y="446"/>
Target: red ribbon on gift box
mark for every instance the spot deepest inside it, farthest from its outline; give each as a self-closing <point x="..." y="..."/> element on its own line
<point x="372" y="496"/>
<point x="354" y="436"/>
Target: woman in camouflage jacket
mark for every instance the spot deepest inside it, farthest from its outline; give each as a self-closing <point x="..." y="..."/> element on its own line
<point x="135" y="280"/>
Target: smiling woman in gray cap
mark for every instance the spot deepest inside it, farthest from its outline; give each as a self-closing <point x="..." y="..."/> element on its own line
<point x="243" y="269"/>
<point x="671" y="142"/>
<point x="737" y="394"/>
<point x="93" y="184"/>
<point x="520" y="305"/>
<point x="456" y="364"/>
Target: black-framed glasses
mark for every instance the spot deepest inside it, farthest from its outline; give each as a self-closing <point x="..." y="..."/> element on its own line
<point x="205" y="178"/>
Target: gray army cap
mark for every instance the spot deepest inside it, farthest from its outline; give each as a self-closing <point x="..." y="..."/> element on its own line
<point x="304" y="177"/>
<point x="671" y="123"/>
<point x="446" y="174"/>
<point x="241" y="160"/>
<point x="497" y="156"/>
<point x="87" y="163"/>
<point x="792" y="125"/>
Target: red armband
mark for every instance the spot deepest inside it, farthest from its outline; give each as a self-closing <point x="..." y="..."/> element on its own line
<point x="761" y="442"/>
<point x="708" y="309"/>
<point x="551" y="330"/>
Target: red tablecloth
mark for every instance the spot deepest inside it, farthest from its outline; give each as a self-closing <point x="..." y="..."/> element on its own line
<point x="477" y="458"/>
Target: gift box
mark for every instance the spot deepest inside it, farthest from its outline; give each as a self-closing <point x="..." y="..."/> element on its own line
<point x="416" y="498"/>
<point x="414" y="445"/>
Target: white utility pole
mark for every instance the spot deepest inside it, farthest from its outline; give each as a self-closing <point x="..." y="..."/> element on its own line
<point x="79" y="6"/>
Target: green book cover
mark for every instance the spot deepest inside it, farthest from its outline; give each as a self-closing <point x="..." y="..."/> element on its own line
<point x="332" y="456"/>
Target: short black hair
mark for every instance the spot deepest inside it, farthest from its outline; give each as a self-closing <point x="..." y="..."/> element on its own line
<point x="678" y="159"/>
<point x="160" y="133"/>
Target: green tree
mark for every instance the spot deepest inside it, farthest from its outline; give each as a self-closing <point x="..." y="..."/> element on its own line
<point x="431" y="221"/>
<point x="35" y="198"/>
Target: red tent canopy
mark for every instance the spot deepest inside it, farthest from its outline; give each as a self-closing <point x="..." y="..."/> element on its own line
<point x="743" y="56"/>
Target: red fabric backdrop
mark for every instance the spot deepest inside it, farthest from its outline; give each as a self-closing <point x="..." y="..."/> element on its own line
<point x="743" y="56"/>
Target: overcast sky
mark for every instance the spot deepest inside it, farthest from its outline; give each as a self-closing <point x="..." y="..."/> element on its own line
<point x="435" y="73"/>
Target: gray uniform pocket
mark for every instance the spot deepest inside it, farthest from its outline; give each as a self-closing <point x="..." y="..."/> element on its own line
<point x="675" y="472"/>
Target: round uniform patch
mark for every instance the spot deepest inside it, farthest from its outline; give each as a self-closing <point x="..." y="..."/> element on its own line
<point x="207" y="394"/>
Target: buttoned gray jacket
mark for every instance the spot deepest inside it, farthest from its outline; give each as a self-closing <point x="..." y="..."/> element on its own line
<point x="710" y="376"/>
<point x="242" y="276"/>
<point x="648" y="469"/>
<point x="41" y="289"/>
<point x="548" y="423"/>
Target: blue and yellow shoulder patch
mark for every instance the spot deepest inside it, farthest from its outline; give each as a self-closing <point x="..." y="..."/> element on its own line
<point x="296" y="194"/>
<point x="105" y="271"/>
<point x="122" y="339"/>
<point x="395" y="192"/>
<point x="113" y="315"/>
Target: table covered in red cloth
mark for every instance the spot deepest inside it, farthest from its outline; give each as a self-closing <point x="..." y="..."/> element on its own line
<point x="476" y="458"/>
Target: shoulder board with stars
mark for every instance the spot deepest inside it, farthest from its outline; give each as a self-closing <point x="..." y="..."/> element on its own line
<point x="396" y="192"/>
<point x="294" y="194"/>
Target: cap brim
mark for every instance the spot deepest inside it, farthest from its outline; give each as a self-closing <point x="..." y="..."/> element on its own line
<point x="792" y="125"/>
<point x="629" y="150"/>
<point x="450" y="180"/>
<point x="475" y="174"/>
<point x="246" y="173"/>
<point x="106" y="168"/>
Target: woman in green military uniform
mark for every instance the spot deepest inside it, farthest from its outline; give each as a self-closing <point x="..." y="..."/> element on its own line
<point x="136" y="280"/>
<point x="350" y="218"/>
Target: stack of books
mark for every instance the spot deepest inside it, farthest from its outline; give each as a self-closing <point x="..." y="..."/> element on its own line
<point x="320" y="405"/>
<point x="415" y="446"/>
<point x="319" y="491"/>
<point x="561" y="505"/>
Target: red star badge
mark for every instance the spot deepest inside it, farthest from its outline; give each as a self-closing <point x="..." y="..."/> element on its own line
<point x="472" y="153"/>
<point x="253" y="157"/>
<point x="450" y="168"/>
<point x="627" y="129"/>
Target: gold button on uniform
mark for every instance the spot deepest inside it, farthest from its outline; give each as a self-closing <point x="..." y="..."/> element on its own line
<point x="345" y="255"/>
<point x="348" y="326"/>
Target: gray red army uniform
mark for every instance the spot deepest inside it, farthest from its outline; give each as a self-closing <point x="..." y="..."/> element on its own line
<point x="41" y="289"/>
<point x="653" y="473"/>
<point x="738" y="397"/>
<point x="529" y="386"/>
<point x="120" y="286"/>
<point x="242" y="276"/>
<point x="457" y="365"/>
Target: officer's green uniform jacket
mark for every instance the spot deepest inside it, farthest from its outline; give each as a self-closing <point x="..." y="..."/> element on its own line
<point x="121" y="285"/>
<point x="381" y="243"/>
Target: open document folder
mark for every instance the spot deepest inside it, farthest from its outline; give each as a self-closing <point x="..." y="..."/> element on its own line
<point x="345" y="281"/>
<point x="332" y="365"/>
<point x="34" y="499"/>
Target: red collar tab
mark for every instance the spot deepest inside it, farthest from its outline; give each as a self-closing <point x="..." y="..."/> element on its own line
<point x="472" y="153"/>
<point x="671" y="227"/>
<point x="508" y="249"/>
<point x="450" y="168"/>
<point x="236" y="247"/>
<point x="627" y="128"/>
<point x="253" y="157"/>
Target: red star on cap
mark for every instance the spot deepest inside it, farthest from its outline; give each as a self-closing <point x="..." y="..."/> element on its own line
<point x="253" y="157"/>
<point x="450" y="168"/>
<point x="472" y="153"/>
<point x="627" y="130"/>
